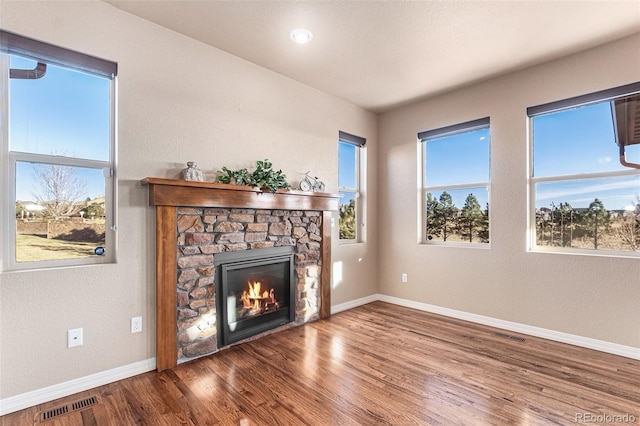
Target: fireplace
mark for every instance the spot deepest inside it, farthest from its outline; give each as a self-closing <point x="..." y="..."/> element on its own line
<point x="215" y="218"/>
<point x="256" y="291"/>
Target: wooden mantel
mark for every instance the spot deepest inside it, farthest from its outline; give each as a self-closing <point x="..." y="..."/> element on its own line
<point x="169" y="194"/>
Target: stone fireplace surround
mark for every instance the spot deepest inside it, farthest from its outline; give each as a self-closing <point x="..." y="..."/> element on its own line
<point x="196" y="220"/>
<point x="203" y="232"/>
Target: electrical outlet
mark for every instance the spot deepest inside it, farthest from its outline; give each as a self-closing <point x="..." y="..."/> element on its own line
<point x="74" y="338"/>
<point x="136" y="324"/>
<point x="404" y="278"/>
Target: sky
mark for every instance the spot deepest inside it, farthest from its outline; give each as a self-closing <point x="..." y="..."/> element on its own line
<point x="347" y="168"/>
<point x="579" y="141"/>
<point x="571" y="142"/>
<point x="63" y="113"/>
<point x="463" y="158"/>
<point x="347" y="165"/>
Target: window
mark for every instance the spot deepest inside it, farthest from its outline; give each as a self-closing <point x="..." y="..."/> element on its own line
<point x="456" y="184"/>
<point x="58" y="151"/>
<point x="350" y="149"/>
<point x="584" y="181"/>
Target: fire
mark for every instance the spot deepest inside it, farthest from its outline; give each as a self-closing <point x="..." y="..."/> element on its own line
<point x="256" y="301"/>
<point x="254" y="290"/>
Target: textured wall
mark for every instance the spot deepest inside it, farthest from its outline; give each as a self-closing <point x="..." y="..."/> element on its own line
<point x="179" y="100"/>
<point x="589" y="296"/>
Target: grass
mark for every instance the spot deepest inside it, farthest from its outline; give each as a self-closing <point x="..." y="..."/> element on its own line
<point x="34" y="248"/>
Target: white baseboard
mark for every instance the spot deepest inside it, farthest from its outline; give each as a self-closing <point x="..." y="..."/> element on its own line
<point x="50" y="393"/>
<point x="558" y="336"/>
<point x="354" y="303"/>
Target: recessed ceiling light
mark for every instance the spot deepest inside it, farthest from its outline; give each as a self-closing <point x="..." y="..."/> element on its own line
<point x="301" y="36"/>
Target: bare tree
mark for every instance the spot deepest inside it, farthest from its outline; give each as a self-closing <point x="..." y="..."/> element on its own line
<point x="60" y="189"/>
<point x="629" y="231"/>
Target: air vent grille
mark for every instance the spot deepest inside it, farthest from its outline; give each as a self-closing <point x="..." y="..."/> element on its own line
<point x="87" y="402"/>
<point x="68" y="408"/>
<point x="55" y="412"/>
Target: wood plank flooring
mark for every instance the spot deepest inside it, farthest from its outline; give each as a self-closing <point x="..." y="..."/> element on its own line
<point x="378" y="364"/>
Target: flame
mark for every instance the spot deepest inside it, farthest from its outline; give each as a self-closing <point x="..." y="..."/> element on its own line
<point x="255" y="300"/>
<point x="252" y="301"/>
<point x="254" y="289"/>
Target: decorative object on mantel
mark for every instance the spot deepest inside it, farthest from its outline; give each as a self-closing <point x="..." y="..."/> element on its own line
<point x="192" y="172"/>
<point x="263" y="177"/>
<point x="311" y="183"/>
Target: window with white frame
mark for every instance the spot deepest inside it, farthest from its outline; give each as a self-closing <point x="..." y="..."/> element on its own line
<point x="58" y="155"/>
<point x="349" y="186"/>
<point x="456" y="183"/>
<point x="585" y="178"/>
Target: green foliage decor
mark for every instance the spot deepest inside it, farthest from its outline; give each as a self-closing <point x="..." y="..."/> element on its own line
<point x="264" y="176"/>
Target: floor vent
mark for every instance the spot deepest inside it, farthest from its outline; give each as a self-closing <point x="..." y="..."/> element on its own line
<point x="509" y="336"/>
<point x="66" y="409"/>
<point x="54" y="412"/>
<point x="87" y="402"/>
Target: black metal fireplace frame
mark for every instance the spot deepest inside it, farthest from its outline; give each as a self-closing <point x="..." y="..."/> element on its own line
<point x="233" y="260"/>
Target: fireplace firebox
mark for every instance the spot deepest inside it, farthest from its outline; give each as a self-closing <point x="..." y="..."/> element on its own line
<point x="256" y="291"/>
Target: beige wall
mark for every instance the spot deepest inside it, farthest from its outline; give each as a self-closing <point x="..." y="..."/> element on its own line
<point x="590" y="296"/>
<point x="179" y="100"/>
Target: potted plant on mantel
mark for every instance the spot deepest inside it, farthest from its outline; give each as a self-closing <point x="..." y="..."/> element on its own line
<point x="263" y="177"/>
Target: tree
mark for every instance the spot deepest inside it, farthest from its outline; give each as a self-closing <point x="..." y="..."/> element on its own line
<point x="446" y="214"/>
<point x="20" y="211"/>
<point x="483" y="233"/>
<point x="94" y="210"/>
<point x="433" y="225"/>
<point x="347" y="222"/>
<point x="541" y="224"/>
<point x="60" y="189"/>
<point x="629" y="231"/>
<point x="470" y="218"/>
<point x="563" y="216"/>
<point x="597" y="217"/>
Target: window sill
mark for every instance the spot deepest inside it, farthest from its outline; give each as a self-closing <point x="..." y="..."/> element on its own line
<point x="586" y="252"/>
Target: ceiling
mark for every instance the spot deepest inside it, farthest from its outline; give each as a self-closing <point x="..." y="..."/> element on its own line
<point x="383" y="54"/>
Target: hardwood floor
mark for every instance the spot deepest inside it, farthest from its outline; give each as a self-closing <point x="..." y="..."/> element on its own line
<point x="376" y="364"/>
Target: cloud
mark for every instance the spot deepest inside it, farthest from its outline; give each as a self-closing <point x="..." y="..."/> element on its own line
<point x="571" y="190"/>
